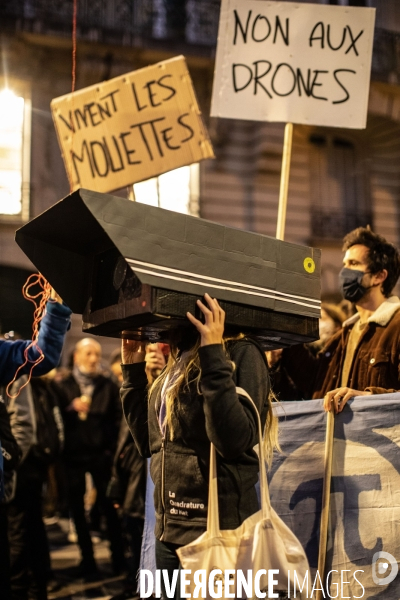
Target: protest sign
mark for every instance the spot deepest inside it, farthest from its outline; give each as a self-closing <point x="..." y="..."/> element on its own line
<point x="131" y="128"/>
<point x="290" y="62"/>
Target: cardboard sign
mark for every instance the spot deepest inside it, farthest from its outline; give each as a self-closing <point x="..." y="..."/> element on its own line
<point x="131" y="128"/>
<point x="289" y="62"/>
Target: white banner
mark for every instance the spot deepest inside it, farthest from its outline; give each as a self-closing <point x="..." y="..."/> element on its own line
<point x="290" y="62"/>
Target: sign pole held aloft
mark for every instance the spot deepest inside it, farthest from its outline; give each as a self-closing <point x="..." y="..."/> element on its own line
<point x="284" y="186"/>
<point x="326" y="496"/>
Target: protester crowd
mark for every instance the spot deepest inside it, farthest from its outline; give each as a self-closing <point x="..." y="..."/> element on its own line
<point x="56" y="430"/>
<point x="65" y="424"/>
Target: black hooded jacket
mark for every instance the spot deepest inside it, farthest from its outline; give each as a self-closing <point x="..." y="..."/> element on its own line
<point x="127" y="486"/>
<point x="180" y="468"/>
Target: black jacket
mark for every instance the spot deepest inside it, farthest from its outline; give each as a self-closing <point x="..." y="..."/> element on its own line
<point x="180" y="468"/>
<point x="85" y="440"/>
<point x="11" y="454"/>
<point x="128" y="481"/>
<point x="9" y="447"/>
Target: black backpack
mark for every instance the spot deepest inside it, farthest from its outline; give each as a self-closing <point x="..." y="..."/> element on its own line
<point x="49" y="424"/>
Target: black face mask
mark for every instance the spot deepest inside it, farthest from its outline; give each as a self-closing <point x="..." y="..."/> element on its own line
<point x="351" y="286"/>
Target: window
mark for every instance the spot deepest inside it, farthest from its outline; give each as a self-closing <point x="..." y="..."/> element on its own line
<point x="176" y="190"/>
<point x="169" y="18"/>
<point x="15" y="116"/>
<point x="339" y="195"/>
<point x="193" y="21"/>
<point x="348" y="2"/>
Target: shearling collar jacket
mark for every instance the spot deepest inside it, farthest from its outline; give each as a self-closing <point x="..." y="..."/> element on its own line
<point x="376" y="361"/>
<point x="381" y="316"/>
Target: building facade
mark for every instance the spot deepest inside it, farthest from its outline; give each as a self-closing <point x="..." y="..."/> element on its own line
<point x="339" y="178"/>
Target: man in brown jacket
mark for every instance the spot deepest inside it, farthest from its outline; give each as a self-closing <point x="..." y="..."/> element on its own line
<point x="364" y="357"/>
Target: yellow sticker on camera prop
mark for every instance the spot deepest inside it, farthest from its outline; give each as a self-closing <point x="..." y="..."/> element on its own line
<point x="309" y="265"/>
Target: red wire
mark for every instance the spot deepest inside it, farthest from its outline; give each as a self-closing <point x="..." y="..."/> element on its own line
<point x="40" y="308"/>
<point x="74" y="19"/>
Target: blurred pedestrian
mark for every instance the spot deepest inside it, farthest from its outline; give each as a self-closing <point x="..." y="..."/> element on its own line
<point x="33" y="410"/>
<point x="330" y="322"/>
<point x="91" y="412"/>
<point x="11" y="454"/>
<point x="128" y="483"/>
<point x="53" y="327"/>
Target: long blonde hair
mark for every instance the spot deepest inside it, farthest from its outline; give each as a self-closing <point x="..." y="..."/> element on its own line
<point x="181" y="371"/>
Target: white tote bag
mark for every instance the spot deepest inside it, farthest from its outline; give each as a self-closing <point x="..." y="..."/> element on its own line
<point x="261" y="544"/>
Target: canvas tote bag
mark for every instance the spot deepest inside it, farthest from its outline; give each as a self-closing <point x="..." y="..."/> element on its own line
<point x="262" y="541"/>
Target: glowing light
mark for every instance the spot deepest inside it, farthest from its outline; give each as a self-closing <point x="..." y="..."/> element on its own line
<point x="146" y="192"/>
<point x="171" y="190"/>
<point x="11" y="142"/>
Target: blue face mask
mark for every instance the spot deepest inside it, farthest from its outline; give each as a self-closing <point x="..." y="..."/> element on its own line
<point x="350" y="283"/>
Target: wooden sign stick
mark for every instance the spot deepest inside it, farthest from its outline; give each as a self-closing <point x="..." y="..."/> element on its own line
<point x="326" y="495"/>
<point x="284" y="186"/>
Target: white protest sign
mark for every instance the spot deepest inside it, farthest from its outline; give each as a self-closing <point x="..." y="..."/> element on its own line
<point x="131" y="128"/>
<point x="290" y="62"/>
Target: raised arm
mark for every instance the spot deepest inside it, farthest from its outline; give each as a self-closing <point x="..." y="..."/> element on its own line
<point x="231" y="423"/>
<point x="54" y="326"/>
<point x="134" y="393"/>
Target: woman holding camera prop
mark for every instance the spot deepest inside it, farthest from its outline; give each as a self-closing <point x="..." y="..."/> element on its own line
<point x="194" y="402"/>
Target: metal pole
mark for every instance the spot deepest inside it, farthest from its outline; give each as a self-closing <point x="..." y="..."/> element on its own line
<point x="130" y="193"/>
<point x="284" y="186"/>
<point x="326" y="495"/>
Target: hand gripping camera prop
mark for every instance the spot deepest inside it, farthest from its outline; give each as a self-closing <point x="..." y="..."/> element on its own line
<point x="134" y="270"/>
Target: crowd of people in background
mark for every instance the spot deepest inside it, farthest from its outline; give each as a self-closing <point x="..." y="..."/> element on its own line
<point x="69" y="440"/>
<point x="64" y="431"/>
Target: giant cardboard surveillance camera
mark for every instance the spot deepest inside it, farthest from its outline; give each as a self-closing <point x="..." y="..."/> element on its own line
<point x="134" y="270"/>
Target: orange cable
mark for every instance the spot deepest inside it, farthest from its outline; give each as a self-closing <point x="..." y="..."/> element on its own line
<point x="39" y="300"/>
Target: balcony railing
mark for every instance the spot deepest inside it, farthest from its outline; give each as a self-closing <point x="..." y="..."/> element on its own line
<point x="386" y="56"/>
<point x="133" y="22"/>
<point x="334" y="224"/>
<point x="126" y="22"/>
